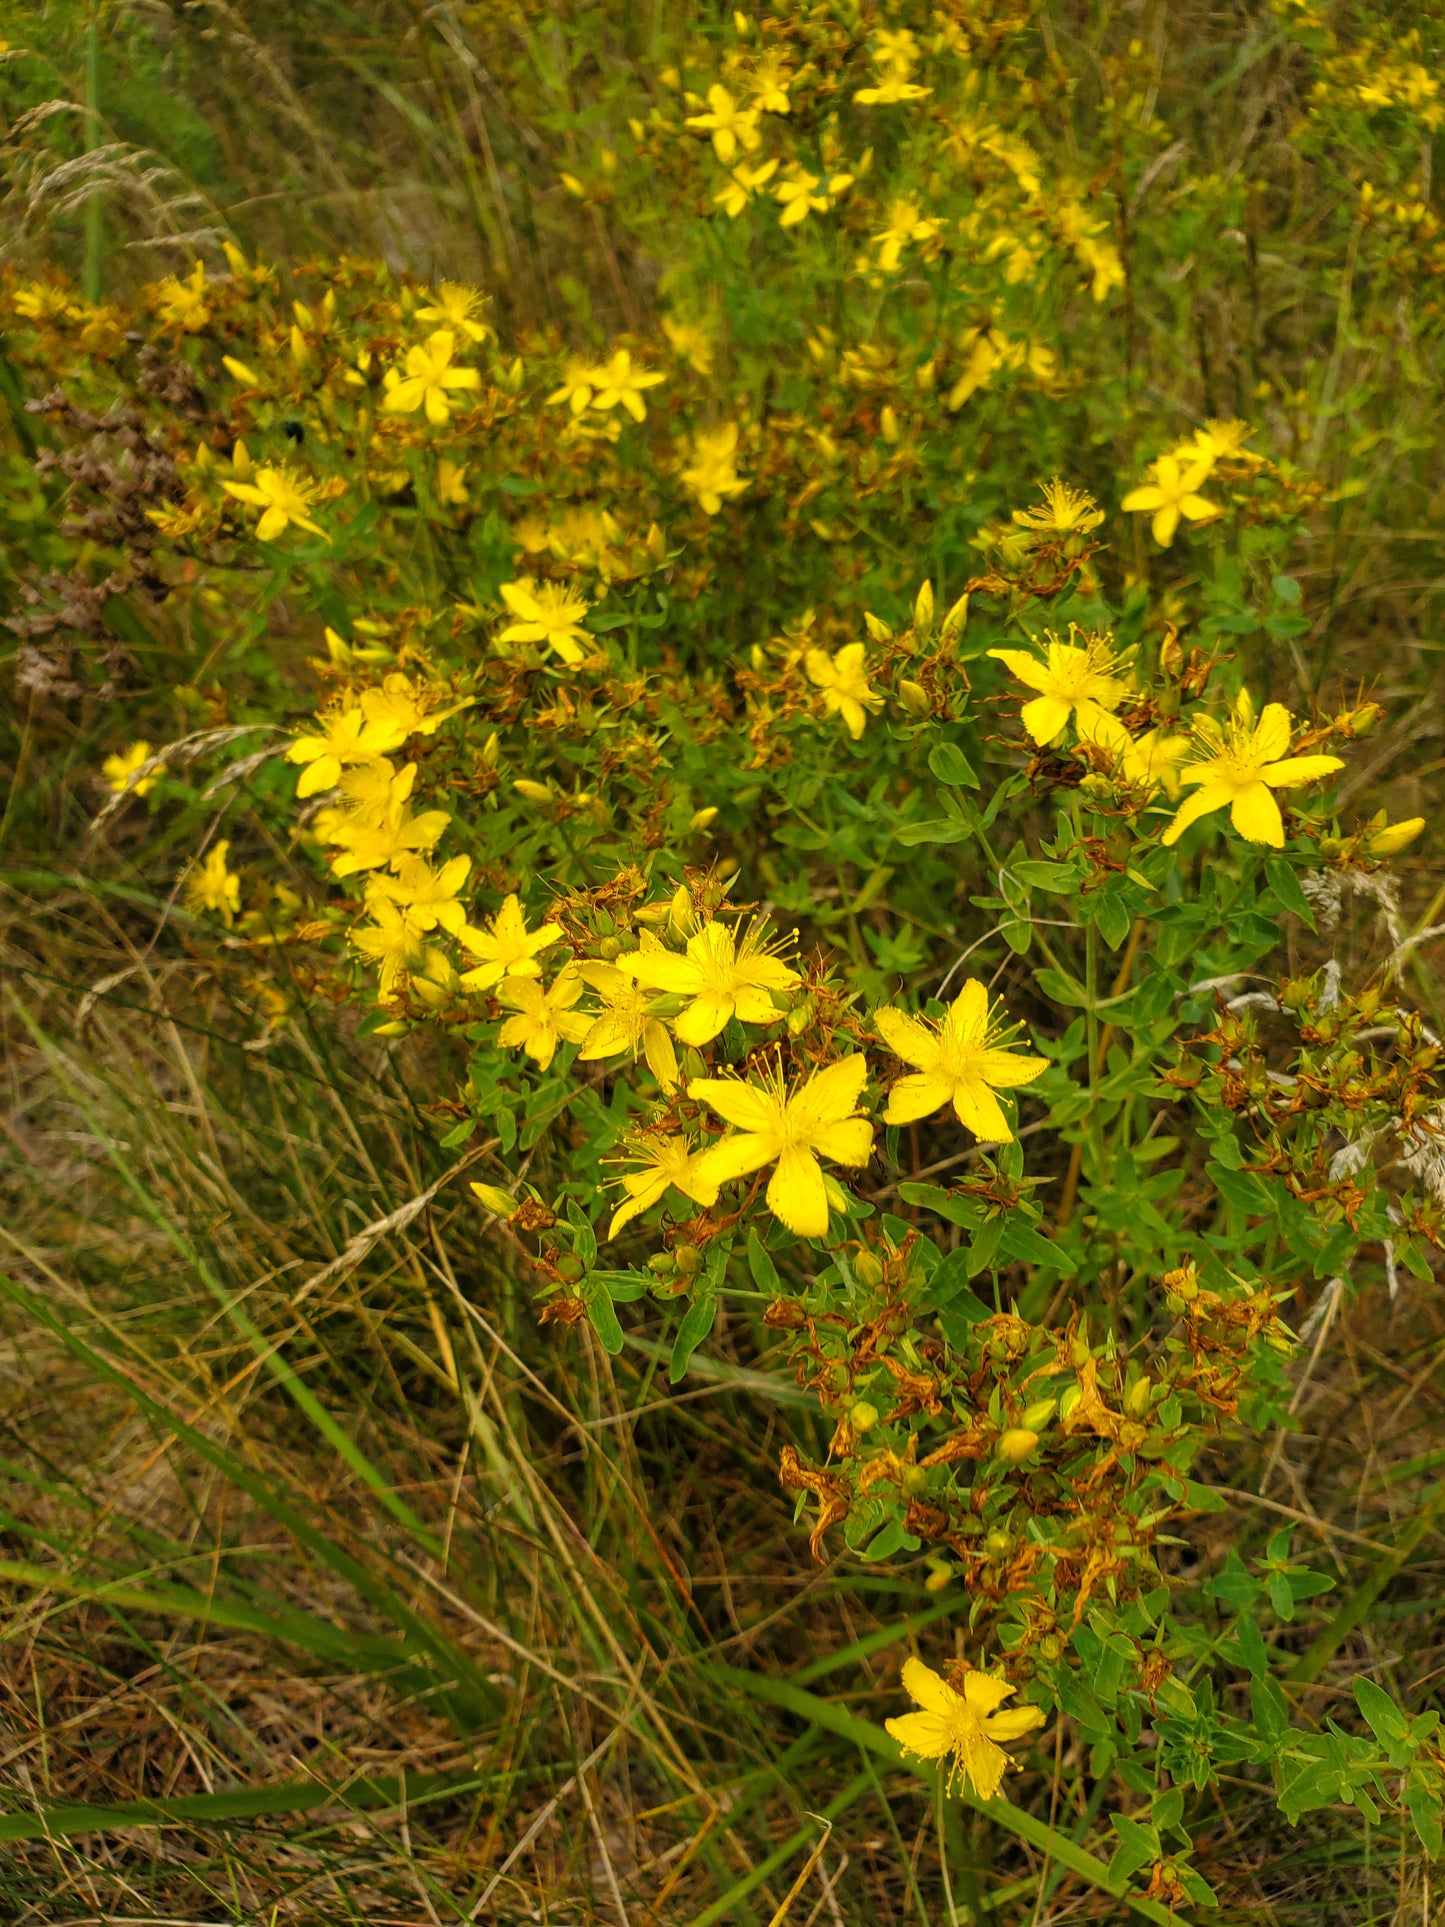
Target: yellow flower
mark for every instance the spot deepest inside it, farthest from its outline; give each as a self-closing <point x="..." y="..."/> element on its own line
<point x="456" y="306"/>
<point x="889" y="89"/>
<point x="211" y="886"/>
<point x="394" y="943"/>
<point x="664" y="1162"/>
<point x="724" y="975"/>
<point x="549" y="614"/>
<point x="628" y="1023"/>
<point x="802" y="194"/>
<point x="376" y="836"/>
<point x="1172" y="494"/>
<point x="958" y="1062"/>
<point x="1246" y="764"/>
<point x="906" y="222"/>
<point x="118" y="770"/>
<point x="576" y="388"/>
<point x="429" y="379"/>
<point x="183" y="303"/>
<point x="690" y="343"/>
<point x="743" y="184"/>
<point x="843" y="680"/>
<point x="428" y="896"/>
<point x="451" y="483"/>
<point x="1072" y="682"/>
<point x="344" y="736"/>
<point x="769" y="82"/>
<point x="729" y="124"/>
<point x="544" y="1017"/>
<point x="1065" y="511"/>
<point x="403" y="705"/>
<point x="967" y="1725"/>
<point x="284" y="497"/>
<point x="617" y="381"/>
<point x="1220" y="442"/>
<point x="507" y="947"/>
<point x="1149" y="762"/>
<point x="791" y="1130"/>
<point x="713" y="477"/>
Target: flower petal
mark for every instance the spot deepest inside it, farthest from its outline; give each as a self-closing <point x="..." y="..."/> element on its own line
<point x="919" y="1096"/>
<point x="734" y="1157"/>
<point x="1044" y="718"/>
<point x="1271" y="734"/>
<point x="1213" y="796"/>
<point x="704" y="1019"/>
<point x="847" y="1142"/>
<point x="906" y="1037"/>
<point x="979" y="1111"/>
<point x="1014" y="1722"/>
<point x="741" y="1104"/>
<point x="984" y="1764"/>
<point x="929" y="1689"/>
<point x="1255" y="814"/>
<point x="830" y="1095"/>
<point x="1299" y="769"/>
<point x="1027" y="668"/>
<point x="1005" y="1070"/>
<point x="924" y="1734"/>
<point x="796" y="1194"/>
<point x="986" y="1692"/>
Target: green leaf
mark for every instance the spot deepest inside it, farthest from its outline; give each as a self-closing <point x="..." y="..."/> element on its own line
<point x="1423" y="1802"/>
<point x="963" y="1212"/>
<point x="1286" y="886"/>
<point x="949" y="765"/>
<point x="1031" y="1249"/>
<point x="600" y="1314"/>
<point x="697" y="1322"/>
<point x="760" y="1264"/>
<point x="1383" y="1717"/>
<point x="1062" y="989"/>
<point x="1059" y="879"/>
<point x="939" y="829"/>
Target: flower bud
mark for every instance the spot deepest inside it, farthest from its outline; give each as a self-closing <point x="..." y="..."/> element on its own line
<point x="1136" y="1399"/>
<point x="490" y="750"/>
<point x="953" y="622"/>
<point x="939" y="1574"/>
<point x="1017" y="1444"/>
<point x="688" y="1260"/>
<point x="570" y="1268"/>
<point x="863" y="1416"/>
<point x="923" y="610"/>
<point x="888" y="424"/>
<point x="1039" y="1413"/>
<point x="1068" y="1399"/>
<point x="914" y="697"/>
<point x="238" y="371"/>
<point x="867" y="1270"/>
<point x="681" y="918"/>
<point x="661" y="1264"/>
<point x="499" y="1202"/>
<point x="702" y="819"/>
<point x="998" y="1544"/>
<point x="1393" y="837"/>
<point x="609" y="948"/>
<point x="534" y="792"/>
<point x="877" y="627"/>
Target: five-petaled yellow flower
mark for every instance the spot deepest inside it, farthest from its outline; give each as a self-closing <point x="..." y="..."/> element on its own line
<point x="284" y="497"/>
<point x="742" y="187"/>
<point x="507" y="947"/>
<point x="818" y="1118"/>
<point x="729" y="124"/>
<point x="393" y="943"/>
<point x="210" y="885"/>
<point x="550" y="614"/>
<point x="544" y="1017"/>
<point x="120" y="771"/>
<point x="627" y="1023"/>
<point x="428" y="380"/>
<point x="713" y="476"/>
<point x="724" y="975"/>
<point x="428" y="896"/>
<point x="456" y="306"/>
<point x="1172" y="493"/>
<point x="344" y="736"/>
<point x="1244" y="764"/>
<point x="969" y="1725"/>
<point x="665" y="1162"/>
<point x="1150" y="761"/>
<point x="844" y="682"/>
<point x="1071" y="682"/>
<point x="957" y="1062"/>
<point x="617" y="381"/>
<point x="802" y="194"/>
<point x="1064" y="511"/>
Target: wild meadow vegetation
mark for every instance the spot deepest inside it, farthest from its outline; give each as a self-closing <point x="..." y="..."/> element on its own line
<point x="721" y="912"/>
